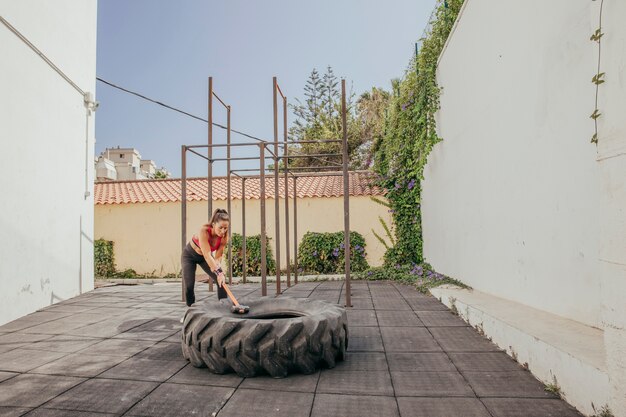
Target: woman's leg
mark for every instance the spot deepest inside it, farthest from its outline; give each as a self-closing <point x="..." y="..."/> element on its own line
<point x="221" y="292"/>
<point x="189" y="274"/>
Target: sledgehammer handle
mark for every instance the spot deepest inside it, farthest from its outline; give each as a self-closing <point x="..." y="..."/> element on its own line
<point x="230" y="295"/>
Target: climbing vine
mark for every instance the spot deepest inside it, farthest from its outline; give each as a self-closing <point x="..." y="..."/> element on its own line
<point x="598" y="78"/>
<point x="410" y="134"/>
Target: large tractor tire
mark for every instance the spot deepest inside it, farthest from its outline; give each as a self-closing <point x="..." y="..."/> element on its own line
<point x="277" y="336"/>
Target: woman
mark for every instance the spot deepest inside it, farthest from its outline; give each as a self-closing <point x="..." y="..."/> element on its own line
<point x="213" y="237"/>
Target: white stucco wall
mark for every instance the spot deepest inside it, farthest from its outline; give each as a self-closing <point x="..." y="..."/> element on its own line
<point x="46" y="223"/>
<point x="611" y="159"/>
<point x="511" y="195"/>
<point x="517" y="202"/>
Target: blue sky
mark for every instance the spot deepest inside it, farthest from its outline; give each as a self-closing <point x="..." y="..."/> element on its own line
<point x="167" y="49"/>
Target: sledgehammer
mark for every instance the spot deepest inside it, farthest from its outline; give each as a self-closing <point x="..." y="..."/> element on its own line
<point x="237" y="308"/>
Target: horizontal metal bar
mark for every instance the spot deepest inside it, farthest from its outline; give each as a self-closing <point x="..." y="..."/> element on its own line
<point x="309" y="156"/>
<point x="222" y="145"/>
<point x="199" y="154"/>
<point x="243" y="158"/>
<point x="309" y="141"/>
<point x="250" y="170"/>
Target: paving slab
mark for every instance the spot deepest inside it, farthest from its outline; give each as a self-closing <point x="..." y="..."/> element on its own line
<point x="362" y="318"/>
<point x="60" y="326"/>
<point x="462" y="339"/>
<point x="33" y="390"/>
<point x="415" y="361"/>
<point x="395" y="304"/>
<point x="33" y="319"/>
<point x="140" y="369"/>
<point x="441" y="407"/>
<point x="82" y="365"/>
<point x="430" y="384"/>
<point x="23" y="360"/>
<point x="522" y="407"/>
<point x="355" y="382"/>
<point x="13" y="411"/>
<point x="507" y="384"/>
<point x="163" y="351"/>
<point x="257" y="403"/>
<point x="49" y="412"/>
<point x="182" y="400"/>
<point x="103" y="395"/>
<point x="362" y="304"/>
<point x="363" y="361"/>
<point x="65" y="343"/>
<point x="391" y="318"/>
<point x="484" y="361"/>
<point x="336" y="405"/>
<point x="118" y="347"/>
<point x="202" y="376"/>
<point x="425" y="304"/>
<point x="440" y="318"/>
<point x="7" y="375"/>
<point x="413" y="339"/>
<point x="365" y="339"/>
<point x="296" y="383"/>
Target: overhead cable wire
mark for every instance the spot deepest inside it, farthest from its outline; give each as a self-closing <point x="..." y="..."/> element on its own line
<point x="177" y="110"/>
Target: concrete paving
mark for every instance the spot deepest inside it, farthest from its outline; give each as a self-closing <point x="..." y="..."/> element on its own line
<point x="115" y="351"/>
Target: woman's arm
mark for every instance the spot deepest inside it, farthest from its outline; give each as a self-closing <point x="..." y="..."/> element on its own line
<point x="218" y="258"/>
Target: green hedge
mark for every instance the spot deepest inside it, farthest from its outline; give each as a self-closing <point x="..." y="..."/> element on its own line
<point x="253" y="255"/>
<point x="104" y="259"/>
<point x="324" y="253"/>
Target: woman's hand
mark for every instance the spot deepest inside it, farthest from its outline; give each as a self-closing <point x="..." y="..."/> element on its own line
<point x="220" y="279"/>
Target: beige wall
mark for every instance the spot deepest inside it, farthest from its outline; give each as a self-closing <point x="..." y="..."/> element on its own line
<point x="147" y="235"/>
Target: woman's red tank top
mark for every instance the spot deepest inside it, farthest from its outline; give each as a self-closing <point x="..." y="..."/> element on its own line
<point x="217" y="244"/>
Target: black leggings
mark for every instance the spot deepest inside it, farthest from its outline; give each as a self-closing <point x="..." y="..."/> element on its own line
<point x="190" y="260"/>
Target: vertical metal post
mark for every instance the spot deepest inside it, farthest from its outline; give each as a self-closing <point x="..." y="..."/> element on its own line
<point x="276" y="193"/>
<point x="295" y="230"/>
<point x="210" y="151"/>
<point x="263" y="239"/>
<point x="210" y="163"/>
<point x="244" y="266"/>
<point x="346" y="196"/>
<point x="286" y="166"/>
<point x="228" y="203"/>
<point x="183" y="209"/>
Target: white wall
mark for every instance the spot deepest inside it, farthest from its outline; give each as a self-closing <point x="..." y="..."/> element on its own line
<point x="611" y="159"/>
<point x="517" y="202"/>
<point x="511" y="195"/>
<point x="46" y="223"/>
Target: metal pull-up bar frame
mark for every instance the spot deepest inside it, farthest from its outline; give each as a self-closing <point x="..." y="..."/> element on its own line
<point x="288" y="172"/>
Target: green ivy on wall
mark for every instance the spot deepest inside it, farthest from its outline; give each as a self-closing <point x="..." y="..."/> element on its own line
<point x="410" y="134"/>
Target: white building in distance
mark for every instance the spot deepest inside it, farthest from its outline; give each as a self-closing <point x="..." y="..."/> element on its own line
<point x="125" y="164"/>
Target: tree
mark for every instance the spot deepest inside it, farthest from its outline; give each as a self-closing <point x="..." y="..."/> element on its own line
<point x="371" y="110"/>
<point x="319" y="118"/>
<point x="161" y="174"/>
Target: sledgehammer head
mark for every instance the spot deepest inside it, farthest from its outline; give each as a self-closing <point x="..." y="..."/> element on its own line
<point x="239" y="309"/>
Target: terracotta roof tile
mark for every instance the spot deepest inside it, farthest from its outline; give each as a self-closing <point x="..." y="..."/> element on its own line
<point x="169" y="190"/>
